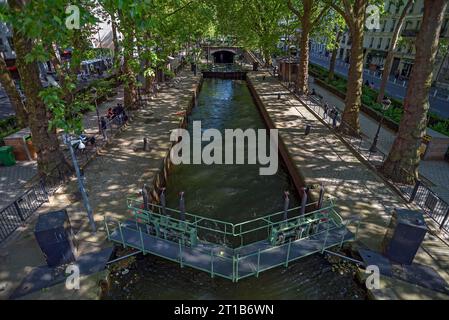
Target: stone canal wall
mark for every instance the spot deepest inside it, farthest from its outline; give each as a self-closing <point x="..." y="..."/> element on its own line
<point x="185" y="103"/>
<point x="295" y="175"/>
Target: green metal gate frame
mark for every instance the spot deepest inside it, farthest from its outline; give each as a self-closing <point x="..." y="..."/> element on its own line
<point x="324" y="215"/>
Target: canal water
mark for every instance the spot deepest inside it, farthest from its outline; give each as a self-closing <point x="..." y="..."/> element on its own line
<point x="233" y="193"/>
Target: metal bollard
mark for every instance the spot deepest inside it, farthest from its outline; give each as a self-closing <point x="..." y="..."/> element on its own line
<point x="307" y="131"/>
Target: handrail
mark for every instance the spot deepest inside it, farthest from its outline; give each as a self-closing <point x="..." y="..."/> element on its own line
<point x="235" y="256"/>
<point x="228" y="228"/>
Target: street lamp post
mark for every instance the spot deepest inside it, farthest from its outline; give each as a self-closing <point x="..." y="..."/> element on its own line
<point x="81" y="186"/>
<point x="386" y="103"/>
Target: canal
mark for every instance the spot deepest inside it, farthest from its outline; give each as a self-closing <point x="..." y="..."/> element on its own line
<point x="232" y="193"/>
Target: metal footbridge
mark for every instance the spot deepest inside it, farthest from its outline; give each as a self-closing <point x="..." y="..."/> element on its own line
<point x="231" y="251"/>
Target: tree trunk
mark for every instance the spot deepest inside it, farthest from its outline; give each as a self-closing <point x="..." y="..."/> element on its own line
<point x="14" y="97"/>
<point x="390" y="55"/>
<point x="302" y="77"/>
<point x="355" y="75"/>
<point x="45" y="139"/>
<point x="267" y="58"/>
<point x="403" y="160"/>
<point x="334" y="56"/>
<point x="115" y="42"/>
<point x="130" y="89"/>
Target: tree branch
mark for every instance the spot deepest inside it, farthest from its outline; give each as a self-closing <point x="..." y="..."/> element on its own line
<point x="179" y="9"/>
<point x="320" y="15"/>
<point x="293" y="9"/>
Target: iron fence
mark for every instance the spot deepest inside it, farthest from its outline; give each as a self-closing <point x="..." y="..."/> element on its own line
<point x="16" y="213"/>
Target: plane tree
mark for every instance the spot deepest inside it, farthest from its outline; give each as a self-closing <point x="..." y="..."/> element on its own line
<point x="404" y="157"/>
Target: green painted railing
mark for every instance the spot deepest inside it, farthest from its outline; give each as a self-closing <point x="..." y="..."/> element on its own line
<point x="209" y="228"/>
<point x="234" y="256"/>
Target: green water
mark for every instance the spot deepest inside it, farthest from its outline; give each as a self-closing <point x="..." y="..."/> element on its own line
<point x="232" y="193"/>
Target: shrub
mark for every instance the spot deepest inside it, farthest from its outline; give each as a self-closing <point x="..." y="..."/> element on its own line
<point x="8" y="126"/>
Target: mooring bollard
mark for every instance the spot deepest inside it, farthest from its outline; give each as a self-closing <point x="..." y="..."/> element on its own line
<point x="286" y="205"/>
<point x="279" y="96"/>
<point x="321" y="196"/>
<point x="145" y="198"/>
<point x="145" y="144"/>
<point x="182" y="207"/>
<point x="307" y="131"/>
<point x="162" y="201"/>
<point x="303" y="200"/>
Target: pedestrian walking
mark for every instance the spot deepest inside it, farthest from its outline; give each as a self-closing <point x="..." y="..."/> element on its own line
<point x="326" y="109"/>
<point x="103" y="126"/>
<point x="334" y="119"/>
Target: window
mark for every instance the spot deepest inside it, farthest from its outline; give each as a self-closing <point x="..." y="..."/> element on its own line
<point x="380" y="43"/>
<point x="412" y="7"/>
<point x="418" y="24"/>
<point x="387" y="46"/>
<point x="11" y="43"/>
<point x="393" y="23"/>
<point x="371" y="42"/>
<point x="398" y="7"/>
<point x="384" y="24"/>
<point x="407" y="23"/>
<point x="444" y="27"/>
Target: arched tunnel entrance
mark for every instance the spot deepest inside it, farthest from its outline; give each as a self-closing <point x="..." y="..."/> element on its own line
<point x="223" y="56"/>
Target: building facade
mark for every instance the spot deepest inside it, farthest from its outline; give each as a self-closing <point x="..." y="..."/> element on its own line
<point x="377" y="42"/>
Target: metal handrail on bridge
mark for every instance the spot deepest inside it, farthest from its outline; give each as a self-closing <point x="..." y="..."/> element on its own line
<point x="240" y="257"/>
<point x="235" y="230"/>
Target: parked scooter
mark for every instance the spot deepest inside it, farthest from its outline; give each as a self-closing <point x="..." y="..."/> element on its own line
<point x="81" y="142"/>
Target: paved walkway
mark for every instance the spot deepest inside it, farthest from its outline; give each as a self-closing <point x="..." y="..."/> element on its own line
<point x="321" y="157"/>
<point x="437" y="172"/>
<point x="117" y="173"/>
<point x="14" y="180"/>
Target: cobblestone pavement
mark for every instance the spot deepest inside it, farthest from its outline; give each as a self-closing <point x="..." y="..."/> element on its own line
<point x="360" y="193"/>
<point x="436" y="172"/>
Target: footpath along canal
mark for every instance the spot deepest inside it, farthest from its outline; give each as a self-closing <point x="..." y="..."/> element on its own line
<point x="233" y="193"/>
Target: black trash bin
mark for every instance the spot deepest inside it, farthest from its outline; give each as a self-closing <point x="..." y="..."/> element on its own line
<point x="404" y="235"/>
<point x="55" y="236"/>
